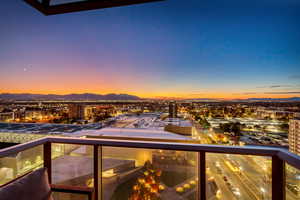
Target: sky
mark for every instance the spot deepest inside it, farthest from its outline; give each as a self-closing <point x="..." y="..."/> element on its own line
<point x="174" y="48"/>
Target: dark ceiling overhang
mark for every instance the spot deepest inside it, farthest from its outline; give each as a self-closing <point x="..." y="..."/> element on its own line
<point x="47" y="8"/>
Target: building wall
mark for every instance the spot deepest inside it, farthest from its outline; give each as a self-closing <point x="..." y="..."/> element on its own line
<point x="274" y="114"/>
<point x="173" y="110"/>
<point x="294" y="136"/>
<point x="182" y="130"/>
<point x="76" y="111"/>
<point x="8" y="116"/>
<point x="33" y="115"/>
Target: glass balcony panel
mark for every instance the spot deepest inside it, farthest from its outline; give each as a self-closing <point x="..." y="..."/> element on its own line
<point x="57" y="2"/>
<point x="72" y="164"/>
<point x="238" y="177"/>
<point x="129" y="173"/>
<point x="292" y="183"/>
<point x="68" y="196"/>
<point x="21" y="163"/>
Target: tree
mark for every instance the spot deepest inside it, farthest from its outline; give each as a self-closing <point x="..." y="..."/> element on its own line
<point x="236" y="129"/>
<point x="148" y="185"/>
<point x="225" y="127"/>
<point x="197" y="117"/>
<point x="284" y="126"/>
<point x="204" y="123"/>
<point x="257" y="126"/>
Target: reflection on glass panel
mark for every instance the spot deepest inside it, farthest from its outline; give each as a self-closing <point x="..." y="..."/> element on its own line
<point x="72" y="164"/>
<point x="68" y="196"/>
<point x="19" y="164"/>
<point x="130" y="174"/>
<point x="239" y="177"/>
<point x="292" y="183"/>
<point x="57" y="2"/>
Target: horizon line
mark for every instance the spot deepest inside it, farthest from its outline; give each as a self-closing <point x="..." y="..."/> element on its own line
<point x="154" y="97"/>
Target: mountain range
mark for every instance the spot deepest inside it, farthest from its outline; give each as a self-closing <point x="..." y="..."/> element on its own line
<point x="67" y="97"/>
<point x="96" y="97"/>
<point x="291" y="99"/>
<point x="275" y="99"/>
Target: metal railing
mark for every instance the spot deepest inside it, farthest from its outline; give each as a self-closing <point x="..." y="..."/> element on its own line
<point x="279" y="157"/>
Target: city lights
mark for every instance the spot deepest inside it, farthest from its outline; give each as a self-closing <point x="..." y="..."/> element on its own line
<point x="154" y="100"/>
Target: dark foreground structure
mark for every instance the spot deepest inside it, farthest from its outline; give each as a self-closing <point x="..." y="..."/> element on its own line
<point x="52" y="7"/>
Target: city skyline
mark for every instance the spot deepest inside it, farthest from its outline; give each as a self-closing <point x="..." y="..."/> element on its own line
<point x="231" y="51"/>
<point x="162" y="99"/>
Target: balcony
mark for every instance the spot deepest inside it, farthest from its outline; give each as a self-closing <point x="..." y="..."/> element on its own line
<point x="84" y="168"/>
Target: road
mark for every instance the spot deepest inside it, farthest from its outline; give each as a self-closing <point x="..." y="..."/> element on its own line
<point x="250" y="174"/>
<point x="235" y="179"/>
<point x="253" y="177"/>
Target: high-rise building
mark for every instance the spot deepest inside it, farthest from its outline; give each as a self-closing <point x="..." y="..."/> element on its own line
<point x="6" y="116"/>
<point x="88" y="112"/>
<point x="76" y="111"/>
<point x="173" y="110"/>
<point x="294" y="135"/>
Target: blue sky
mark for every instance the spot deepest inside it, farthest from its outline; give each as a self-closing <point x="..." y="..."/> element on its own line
<point x="208" y="48"/>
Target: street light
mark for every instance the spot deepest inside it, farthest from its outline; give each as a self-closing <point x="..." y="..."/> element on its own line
<point x="264" y="168"/>
<point x="241" y="169"/>
<point x="262" y="192"/>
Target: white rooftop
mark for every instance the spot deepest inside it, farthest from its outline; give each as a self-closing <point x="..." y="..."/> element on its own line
<point x="129" y="132"/>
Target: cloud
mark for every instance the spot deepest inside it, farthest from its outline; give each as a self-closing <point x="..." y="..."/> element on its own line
<point x="294" y="92"/>
<point x="196" y="94"/>
<point x="294" y="77"/>
<point x="250" y="93"/>
<point x="247" y="93"/>
<point x="275" y="86"/>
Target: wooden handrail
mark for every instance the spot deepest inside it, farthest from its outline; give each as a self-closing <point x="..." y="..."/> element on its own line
<point x="286" y="156"/>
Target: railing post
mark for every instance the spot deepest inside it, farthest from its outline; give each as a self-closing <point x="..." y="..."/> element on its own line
<point x="98" y="172"/>
<point x="278" y="178"/>
<point x="201" y="176"/>
<point x="47" y="160"/>
<point x="96" y="166"/>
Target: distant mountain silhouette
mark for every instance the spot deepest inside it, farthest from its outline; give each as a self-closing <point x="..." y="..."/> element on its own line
<point x="67" y="97"/>
<point x="95" y="97"/>
<point x="275" y="99"/>
<point x="244" y="100"/>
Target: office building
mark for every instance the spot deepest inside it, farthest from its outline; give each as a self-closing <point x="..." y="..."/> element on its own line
<point x="76" y="111"/>
<point x="173" y="110"/>
<point x="294" y="135"/>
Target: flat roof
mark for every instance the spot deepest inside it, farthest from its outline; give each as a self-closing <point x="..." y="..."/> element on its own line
<point x="131" y="132"/>
<point x="45" y="128"/>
